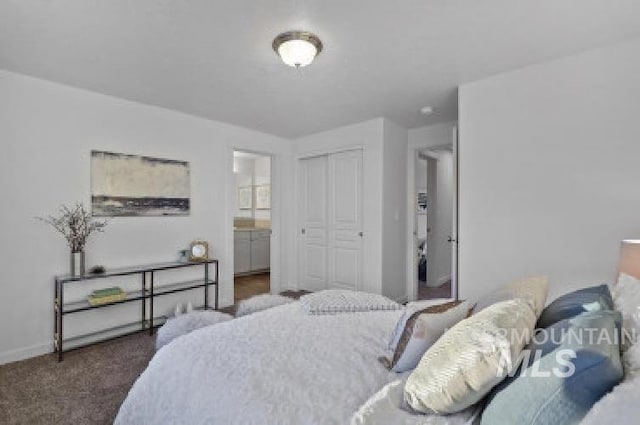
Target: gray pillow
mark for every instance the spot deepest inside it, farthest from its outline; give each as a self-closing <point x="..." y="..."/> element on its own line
<point x="532" y="399"/>
<point x="595" y="298"/>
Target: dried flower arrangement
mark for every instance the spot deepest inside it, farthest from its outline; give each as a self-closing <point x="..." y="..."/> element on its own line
<point x="76" y="225"/>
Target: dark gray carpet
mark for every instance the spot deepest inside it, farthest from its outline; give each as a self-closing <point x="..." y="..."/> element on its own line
<point x="86" y="388"/>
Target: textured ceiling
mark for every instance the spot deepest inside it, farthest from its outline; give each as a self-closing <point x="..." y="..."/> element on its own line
<point x="381" y="58"/>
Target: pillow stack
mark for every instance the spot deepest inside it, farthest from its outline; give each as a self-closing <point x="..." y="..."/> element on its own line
<point x="551" y="376"/>
<point x="478" y="352"/>
<point x="471" y="358"/>
<point x="620" y="406"/>
<point x="573" y="361"/>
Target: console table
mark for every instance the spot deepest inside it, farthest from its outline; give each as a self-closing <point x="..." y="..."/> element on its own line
<point x="145" y="296"/>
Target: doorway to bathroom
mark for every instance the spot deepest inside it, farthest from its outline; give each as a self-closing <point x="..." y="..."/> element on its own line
<point x="252" y="224"/>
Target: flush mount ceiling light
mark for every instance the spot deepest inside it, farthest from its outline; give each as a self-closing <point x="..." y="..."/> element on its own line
<point x="427" y="110"/>
<point x="297" y="48"/>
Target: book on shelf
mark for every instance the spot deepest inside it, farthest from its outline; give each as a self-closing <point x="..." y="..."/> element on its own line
<point x="107" y="295"/>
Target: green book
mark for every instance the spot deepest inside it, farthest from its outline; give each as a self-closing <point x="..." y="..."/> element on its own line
<point x="107" y="292"/>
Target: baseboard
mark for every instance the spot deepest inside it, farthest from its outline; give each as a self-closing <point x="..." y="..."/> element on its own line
<point x="25" y="353"/>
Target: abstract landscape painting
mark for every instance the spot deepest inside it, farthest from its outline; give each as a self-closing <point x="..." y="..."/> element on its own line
<point x="132" y="185"/>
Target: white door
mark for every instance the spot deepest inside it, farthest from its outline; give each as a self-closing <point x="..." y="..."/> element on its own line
<point x="345" y="220"/>
<point x="312" y="255"/>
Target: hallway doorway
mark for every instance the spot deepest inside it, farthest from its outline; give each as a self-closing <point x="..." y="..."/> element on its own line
<point x="433" y="220"/>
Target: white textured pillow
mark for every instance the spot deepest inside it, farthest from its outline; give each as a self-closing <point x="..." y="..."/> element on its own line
<point x="471" y="358"/>
<point x="626" y="299"/>
<point x="533" y="289"/>
<point x="619" y="407"/>
<point x="261" y="302"/>
<point x="426" y="330"/>
<point x="409" y="310"/>
<point x="631" y="361"/>
<point x="186" y="323"/>
<point x="332" y="301"/>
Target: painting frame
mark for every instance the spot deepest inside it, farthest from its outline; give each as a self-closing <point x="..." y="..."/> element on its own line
<point x="128" y="185"/>
<point x="263" y="197"/>
<point x="245" y="197"/>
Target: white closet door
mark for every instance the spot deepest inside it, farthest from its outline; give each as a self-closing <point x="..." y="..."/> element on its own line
<point x="345" y="236"/>
<point x="312" y="255"/>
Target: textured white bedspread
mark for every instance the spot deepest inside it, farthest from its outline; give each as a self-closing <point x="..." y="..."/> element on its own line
<point x="276" y="367"/>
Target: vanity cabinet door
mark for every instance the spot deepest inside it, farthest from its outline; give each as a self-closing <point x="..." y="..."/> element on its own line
<point x="260" y="250"/>
<point x="242" y="252"/>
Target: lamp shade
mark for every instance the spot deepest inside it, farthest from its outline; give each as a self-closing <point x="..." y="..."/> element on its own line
<point x="629" y="262"/>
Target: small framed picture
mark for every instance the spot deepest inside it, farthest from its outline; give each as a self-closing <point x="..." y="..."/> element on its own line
<point x="245" y="198"/>
<point x="263" y="197"/>
<point x="422" y="201"/>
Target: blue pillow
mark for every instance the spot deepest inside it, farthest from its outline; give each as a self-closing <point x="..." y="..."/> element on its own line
<point x="529" y="399"/>
<point x="575" y="303"/>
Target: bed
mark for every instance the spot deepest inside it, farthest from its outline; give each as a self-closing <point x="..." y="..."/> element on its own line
<point x="279" y="366"/>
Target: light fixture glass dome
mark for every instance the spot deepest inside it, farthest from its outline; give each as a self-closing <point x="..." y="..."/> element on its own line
<point x="297" y="48"/>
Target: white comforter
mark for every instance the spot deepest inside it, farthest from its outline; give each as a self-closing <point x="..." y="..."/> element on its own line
<point x="276" y="367"/>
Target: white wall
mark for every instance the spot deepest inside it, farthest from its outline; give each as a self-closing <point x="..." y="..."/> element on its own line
<point x="47" y="132"/>
<point x="549" y="174"/>
<point x="394" y="213"/>
<point x="431" y="136"/>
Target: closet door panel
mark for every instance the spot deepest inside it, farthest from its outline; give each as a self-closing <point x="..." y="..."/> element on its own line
<point x="345" y="219"/>
<point x="313" y="261"/>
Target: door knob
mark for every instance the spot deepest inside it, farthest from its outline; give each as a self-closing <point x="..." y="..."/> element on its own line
<point x="450" y="239"/>
<point x="303" y="231"/>
<point x="361" y="234"/>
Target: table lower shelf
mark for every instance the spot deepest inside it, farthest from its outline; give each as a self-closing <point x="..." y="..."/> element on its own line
<point x="114" y="332"/>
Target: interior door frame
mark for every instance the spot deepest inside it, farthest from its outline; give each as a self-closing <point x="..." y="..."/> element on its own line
<point x="412" y="260"/>
<point x="277" y="161"/>
<point x="298" y="219"/>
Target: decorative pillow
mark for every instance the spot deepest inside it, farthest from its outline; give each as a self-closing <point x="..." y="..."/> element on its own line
<point x="261" y="302"/>
<point x="626" y="299"/>
<point x="409" y="310"/>
<point x="422" y="330"/>
<point x="534" y="289"/>
<point x="333" y="301"/>
<point x="595" y="298"/>
<point x="186" y="323"/>
<point x="471" y="358"/>
<point x="563" y="385"/>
